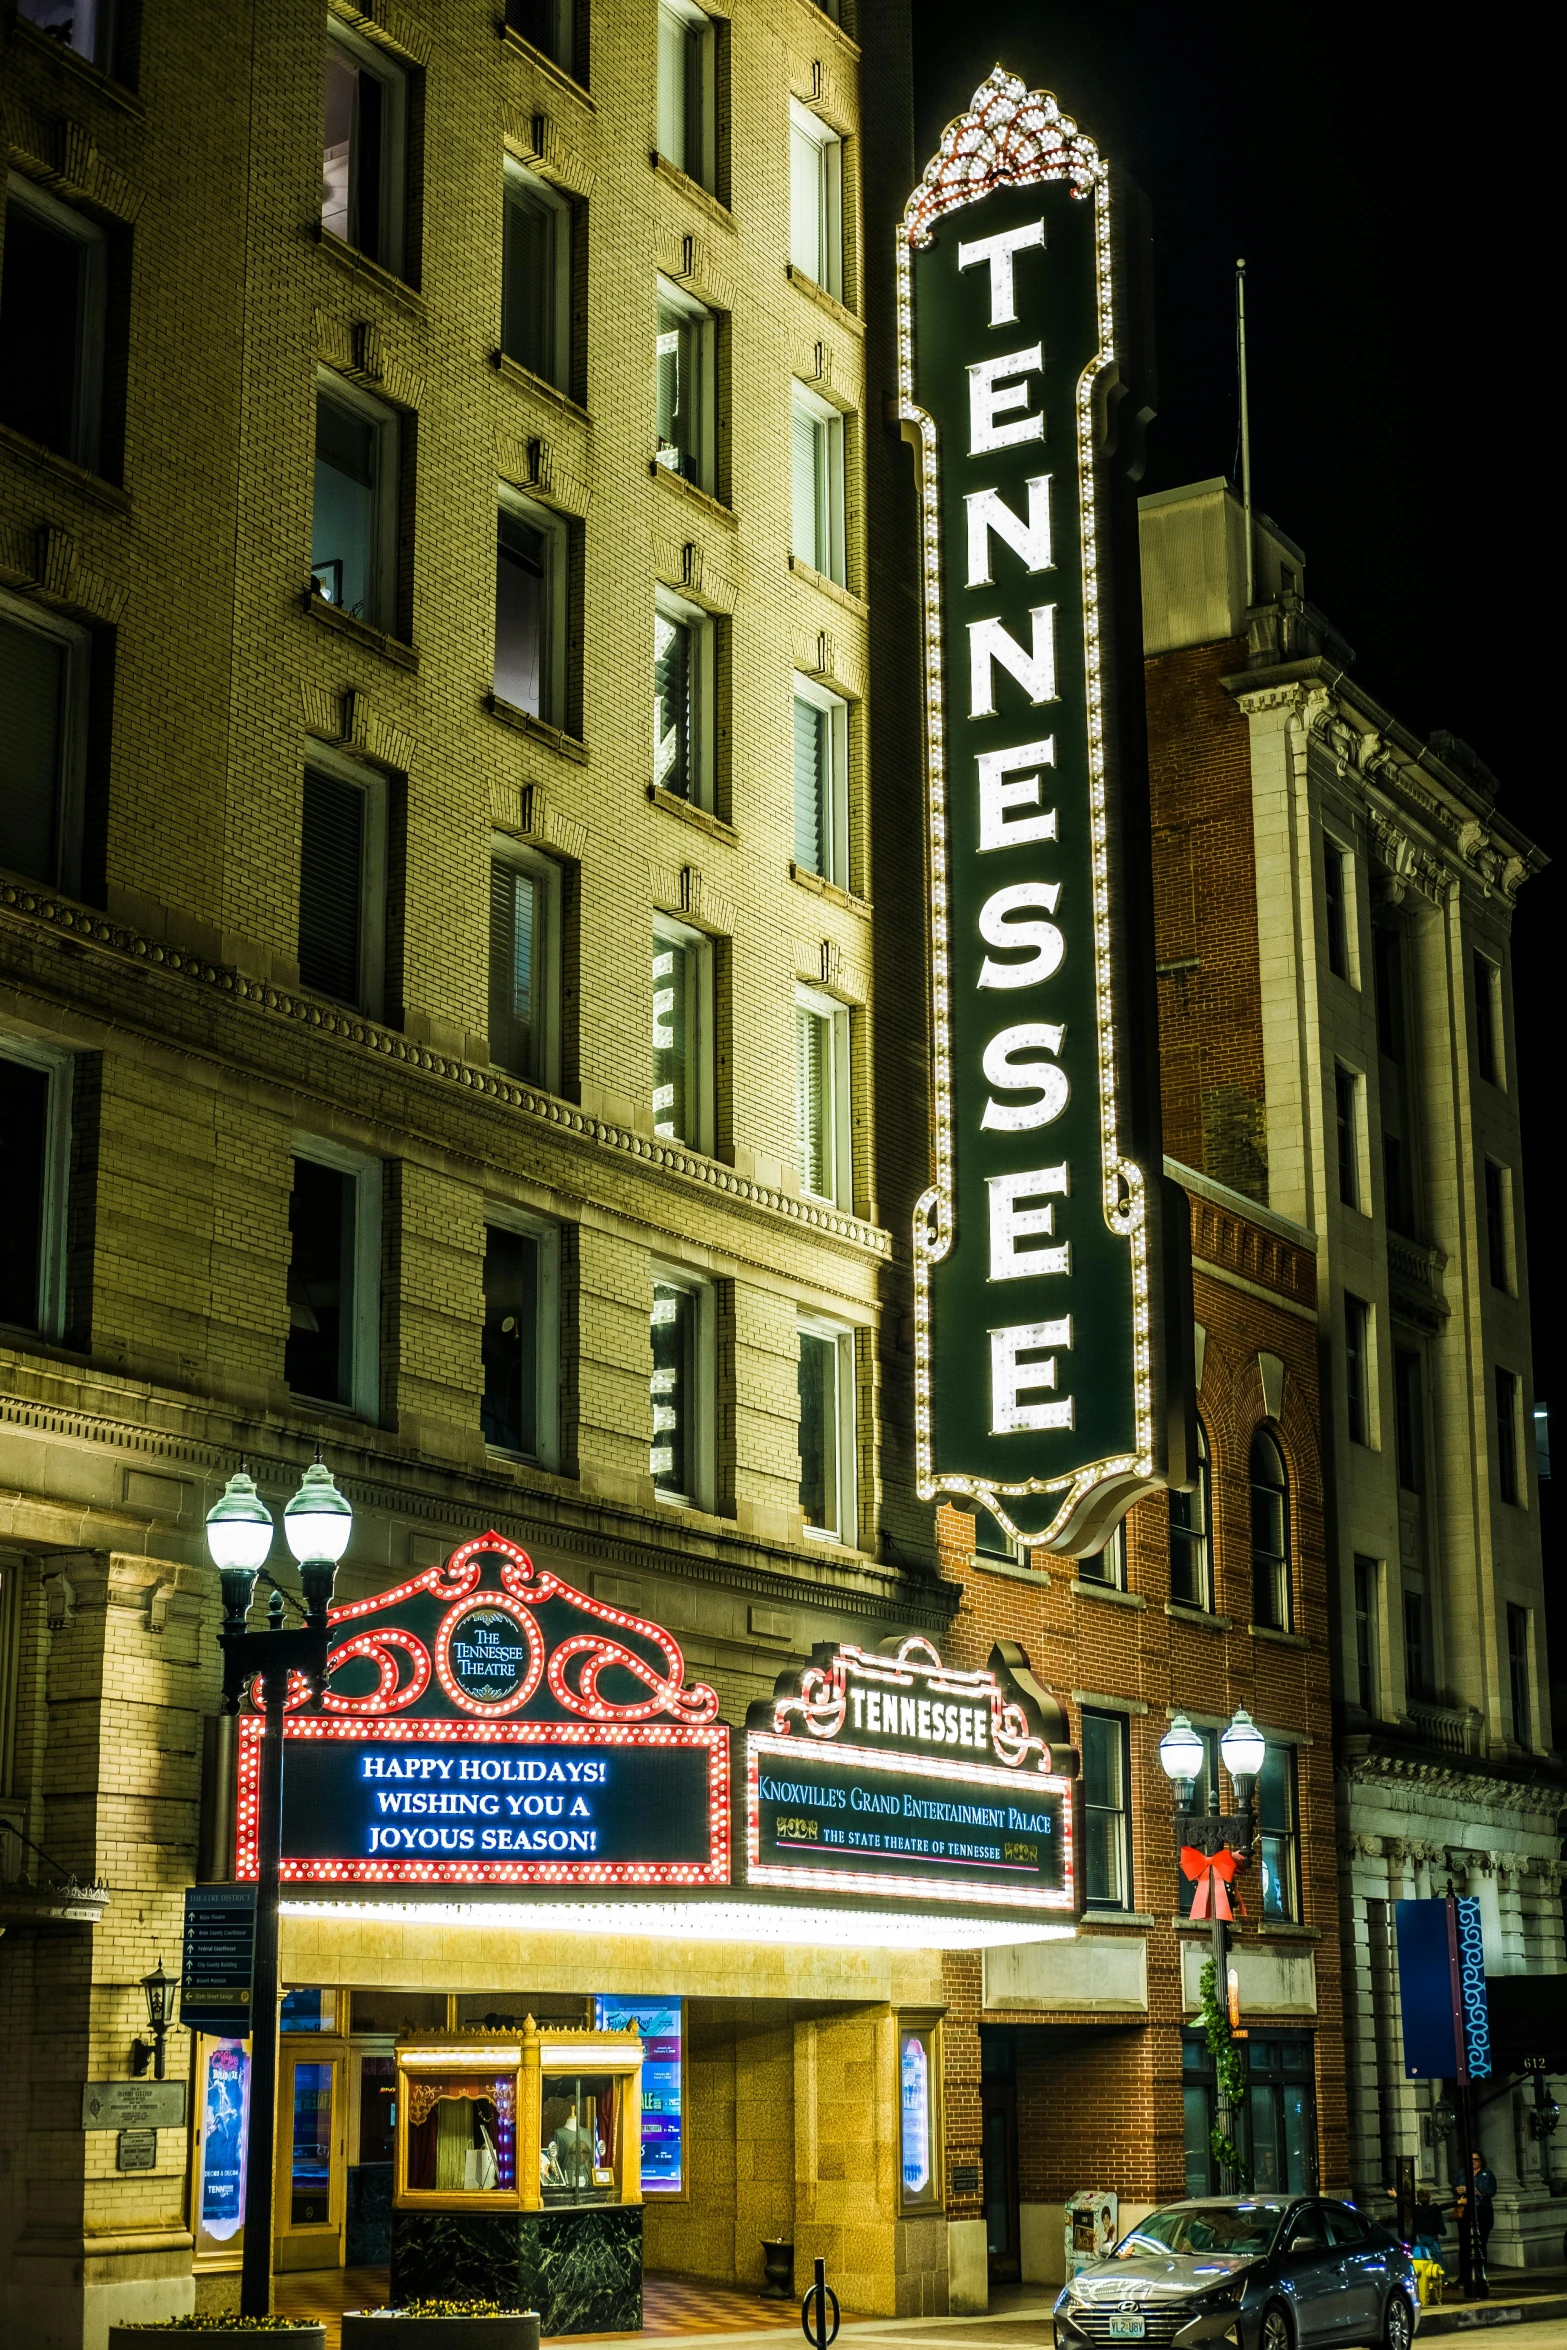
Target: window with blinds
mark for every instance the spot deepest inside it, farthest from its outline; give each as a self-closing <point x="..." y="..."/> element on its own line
<point x="670" y="1383"/>
<point x="815" y="216"/>
<point x="816" y="457"/>
<point x="821" y="1033"/>
<point x="516" y="941"/>
<point x="42" y="676"/>
<point x="536" y="279"/>
<point x="684" y="387"/>
<point x="1191" y="1553"/>
<point x="332" y="887"/>
<point x="672" y="1025"/>
<point x="821" y="815"/>
<point x="1107" y="1811"/>
<point x="674" y="688"/>
<point x="685" y="90"/>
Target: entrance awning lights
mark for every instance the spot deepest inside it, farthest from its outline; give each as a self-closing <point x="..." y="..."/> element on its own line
<point x="700" y="1921"/>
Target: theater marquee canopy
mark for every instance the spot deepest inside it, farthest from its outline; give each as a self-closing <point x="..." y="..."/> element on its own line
<point x="1039" y="1371"/>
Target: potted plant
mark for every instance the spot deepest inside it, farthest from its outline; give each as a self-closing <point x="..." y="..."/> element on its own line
<point x="216" y="2327"/>
<point x="442" y="2325"/>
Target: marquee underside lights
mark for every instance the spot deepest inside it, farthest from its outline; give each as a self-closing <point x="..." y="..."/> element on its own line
<point x="706" y="1920"/>
<point x="1037" y="1340"/>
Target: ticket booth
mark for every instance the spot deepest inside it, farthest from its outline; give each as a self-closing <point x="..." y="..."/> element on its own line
<point x="517" y="2173"/>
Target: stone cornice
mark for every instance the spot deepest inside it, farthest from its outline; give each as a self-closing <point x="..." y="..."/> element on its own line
<point x="42" y="909"/>
<point x="1540" y="1785"/>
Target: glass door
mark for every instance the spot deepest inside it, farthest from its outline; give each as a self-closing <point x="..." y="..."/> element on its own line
<point x="311" y="2156"/>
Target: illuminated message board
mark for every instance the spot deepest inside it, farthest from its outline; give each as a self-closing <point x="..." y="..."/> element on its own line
<point x="1039" y="1369"/>
<point x="889" y="1772"/>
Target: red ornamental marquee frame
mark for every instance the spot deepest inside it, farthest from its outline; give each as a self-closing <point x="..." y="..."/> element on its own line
<point x="419" y="1699"/>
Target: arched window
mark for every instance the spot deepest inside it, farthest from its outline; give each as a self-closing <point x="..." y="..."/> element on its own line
<point x="1270" y="1534"/>
<point x="1191" y="1546"/>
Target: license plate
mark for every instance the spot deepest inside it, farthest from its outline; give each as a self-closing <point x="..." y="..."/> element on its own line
<point x="1127" y="2325"/>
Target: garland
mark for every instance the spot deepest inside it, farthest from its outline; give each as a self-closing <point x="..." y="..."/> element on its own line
<point x="1229" y="2072"/>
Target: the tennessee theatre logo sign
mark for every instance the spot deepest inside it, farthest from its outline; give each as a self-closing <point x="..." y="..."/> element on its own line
<point x="488" y="1724"/>
<point x="886" y="1771"/>
<point x="1036" y="1247"/>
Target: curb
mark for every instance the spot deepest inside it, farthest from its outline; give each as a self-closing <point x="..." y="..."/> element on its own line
<point x="1492" y="2313"/>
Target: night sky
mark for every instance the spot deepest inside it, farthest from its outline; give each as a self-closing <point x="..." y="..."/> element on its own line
<point x="1387" y="187"/>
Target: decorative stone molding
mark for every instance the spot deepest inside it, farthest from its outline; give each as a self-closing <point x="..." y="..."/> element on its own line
<point x="390" y="1045"/>
<point x="685" y="890"/>
<point x="821" y="962"/>
<point x="1407" y="863"/>
<point x="814" y="83"/>
<point x="349" y="721"/>
<point x="683" y="564"/>
<point x="61" y="155"/>
<point x="383" y="22"/>
<point x="43" y="563"/>
<point x="531" y="811"/>
<point x="536" y="142"/>
<point x="358" y="349"/>
<point x="818" y="654"/>
<point x="690" y="263"/>
<point x="529" y="462"/>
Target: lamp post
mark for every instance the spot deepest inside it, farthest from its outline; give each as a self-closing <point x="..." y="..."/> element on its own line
<point x="158" y="1989"/>
<point x="1214" y="1837"/>
<point x="316" y="1523"/>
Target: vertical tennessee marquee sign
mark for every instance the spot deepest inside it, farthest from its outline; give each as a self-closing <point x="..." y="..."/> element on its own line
<point x="1035" y="1249"/>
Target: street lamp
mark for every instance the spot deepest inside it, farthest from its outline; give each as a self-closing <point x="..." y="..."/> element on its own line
<point x="1214" y="1845"/>
<point x="317" y="1524"/>
<point x="159" y="1990"/>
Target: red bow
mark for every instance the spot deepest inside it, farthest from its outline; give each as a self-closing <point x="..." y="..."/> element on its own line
<point x="1211" y="1871"/>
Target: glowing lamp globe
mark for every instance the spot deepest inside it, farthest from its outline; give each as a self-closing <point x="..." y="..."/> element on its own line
<point x="318" y="1521"/>
<point x="1243" y="1746"/>
<point x="239" y="1527"/>
<point x="1181" y="1752"/>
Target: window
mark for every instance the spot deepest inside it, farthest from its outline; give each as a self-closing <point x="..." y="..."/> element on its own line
<point x="1409" y="1418"/>
<point x="531" y="551"/>
<point x="1107" y="1811"/>
<point x="364" y="173"/>
<point x="87" y="26"/>
<point x="353" y="560"/>
<point x="334" y="1279"/>
<point x="1346" y="1102"/>
<point x="1107" y="1564"/>
<point x="1276" y="1833"/>
<point x="992" y="1541"/>
<point x="1367" y="1585"/>
<point x="821" y="783"/>
<point x="1488" y="1009"/>
<point x="685" y="666"/>
<point x="1417" y="1646"/>
<point x="685" y="387"/>
<point x="520" y="1343"/>
<point x="681" y="1388"/>
<point x="815" y="199"/>
<point x="35" y="1135"/>
<point x="1357" y="1368"/>
<point x="553" y="27"/>
<point x="342" y="887"/>
<point x="682" y="1034"/>
<point x="1518" y="1676"/>
<point x="1507" y="1434"/>
<point x="1387" y="945"/>
<point x="816" y="446"/>
<point x="822" y="1097"/>
<point x="1498" y="1224"/>
<point x="525" y="942"/>
<point x="536" y="278"/>
<point x="827" y="1429"/>
<point x="1335" y="891"/>
<point x="687" y="59"/>
<point x="1276" y="2126"/>
<point x="53" y="289"/>
<point x="1191" y="1550"/>
<point x="43" y="725"/>
<point x="1270" y="1534"/>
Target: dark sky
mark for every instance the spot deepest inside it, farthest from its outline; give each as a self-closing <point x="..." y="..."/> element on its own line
<point x="1386" y="183"/>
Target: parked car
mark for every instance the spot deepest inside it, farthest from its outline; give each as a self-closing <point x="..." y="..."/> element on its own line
<point x="1255" y="2272"/>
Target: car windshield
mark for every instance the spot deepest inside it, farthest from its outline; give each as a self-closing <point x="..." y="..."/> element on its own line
<point x="1243" y="2228"/>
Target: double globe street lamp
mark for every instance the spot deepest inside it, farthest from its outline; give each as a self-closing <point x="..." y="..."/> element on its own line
<point x="1214" y="1846"/>
<point x="281" y="1662"/>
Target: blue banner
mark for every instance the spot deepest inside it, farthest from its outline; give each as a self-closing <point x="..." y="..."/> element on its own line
<point x="1441" y="1982"/>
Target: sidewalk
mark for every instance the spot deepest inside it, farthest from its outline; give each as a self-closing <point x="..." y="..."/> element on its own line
<point x="1535" y="2296"/>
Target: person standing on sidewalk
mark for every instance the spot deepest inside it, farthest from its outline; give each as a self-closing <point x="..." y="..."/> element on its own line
<point x="1483" y="2187"/>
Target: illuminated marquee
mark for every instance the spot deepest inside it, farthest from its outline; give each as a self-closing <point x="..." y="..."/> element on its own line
<point x="488" y="1724"/>
<point x="889" y="1772"/>
<point x="1038" y="1338"/>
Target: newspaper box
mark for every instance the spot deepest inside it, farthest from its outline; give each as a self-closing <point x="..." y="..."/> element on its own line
<point x="1091" y="2227"/>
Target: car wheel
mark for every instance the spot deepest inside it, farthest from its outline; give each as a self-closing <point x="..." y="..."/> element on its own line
<point x="1277" y="2332"/>
<point x="1398" y="2329"/>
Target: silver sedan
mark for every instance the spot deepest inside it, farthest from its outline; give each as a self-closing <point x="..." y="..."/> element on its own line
<point x="1245" y="2272"/>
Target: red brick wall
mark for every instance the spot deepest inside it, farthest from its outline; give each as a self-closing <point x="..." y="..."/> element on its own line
<point x="1100" y="2105"/>
<point x="1205" y="916"/>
